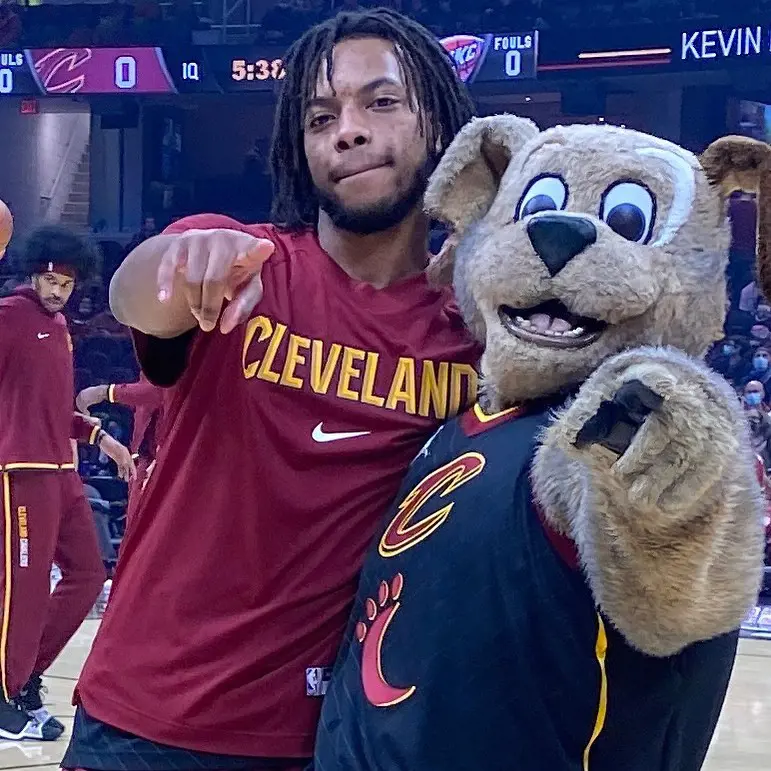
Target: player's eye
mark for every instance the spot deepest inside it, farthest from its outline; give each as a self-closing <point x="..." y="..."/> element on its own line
<point x="317" y="121"/>
<point x="545" y="193"/>
<point x="384" y="101"/>
<point x="629" y="208"/>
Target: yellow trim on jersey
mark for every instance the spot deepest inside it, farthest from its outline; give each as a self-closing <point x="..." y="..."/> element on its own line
<point x="483" y="417"/>
<point x="38" y="467"/>
<point x="111" y="393"/>
<point x="600" y="652"/>
<point x="7" y="587"/>
<point x="94" y="433"/>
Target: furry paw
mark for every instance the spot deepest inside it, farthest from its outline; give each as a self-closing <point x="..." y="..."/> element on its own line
<point x="661" y="427"/>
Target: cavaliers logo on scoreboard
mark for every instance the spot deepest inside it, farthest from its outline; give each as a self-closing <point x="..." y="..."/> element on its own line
<point x="490" y="58"/>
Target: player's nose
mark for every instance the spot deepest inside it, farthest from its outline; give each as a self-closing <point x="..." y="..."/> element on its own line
<point x="352" y="131"/>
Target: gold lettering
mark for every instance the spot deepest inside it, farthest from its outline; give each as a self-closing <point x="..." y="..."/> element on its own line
<point x="265" y="372"/>
<point x="433" y="389"/>
<point x="461" y="372"/>
<point x="266" y="330"/>
<point x="348" y="371"/>
<point x="293" y="358"/>
<point x="321" y="377"/>
<point x="22" y="514"/>
<point x="368" y="395"/>
<point x="403" y="387"/>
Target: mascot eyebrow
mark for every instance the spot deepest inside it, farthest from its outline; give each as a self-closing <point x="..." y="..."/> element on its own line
<point x="681" y="168"/>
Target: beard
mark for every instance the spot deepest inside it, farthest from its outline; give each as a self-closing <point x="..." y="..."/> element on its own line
<point x="382" y="215"/>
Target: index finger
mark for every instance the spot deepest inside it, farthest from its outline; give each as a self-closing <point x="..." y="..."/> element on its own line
<point x="171" y="261"/>
<point x="248" y="264"/>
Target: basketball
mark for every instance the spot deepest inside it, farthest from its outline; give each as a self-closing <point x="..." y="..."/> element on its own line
<point x="6" y="227"/>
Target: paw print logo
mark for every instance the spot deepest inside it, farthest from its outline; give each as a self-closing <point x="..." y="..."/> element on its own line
<point x="371" y="633"/>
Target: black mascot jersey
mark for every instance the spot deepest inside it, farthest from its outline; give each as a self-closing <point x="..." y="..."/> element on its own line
<point x="475" y="642"/>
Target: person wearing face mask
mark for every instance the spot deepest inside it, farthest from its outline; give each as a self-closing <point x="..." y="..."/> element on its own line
<point x="754" y="396"/>
<point x="727" y="358"/>
<point x="759" y="369"/>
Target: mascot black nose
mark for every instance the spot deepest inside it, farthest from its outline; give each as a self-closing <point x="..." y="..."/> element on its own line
<point x="558" y="238"/>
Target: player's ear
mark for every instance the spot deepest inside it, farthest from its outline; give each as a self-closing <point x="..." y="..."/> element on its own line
<point x="466" y="181"/>
<point x="739" y="163"/>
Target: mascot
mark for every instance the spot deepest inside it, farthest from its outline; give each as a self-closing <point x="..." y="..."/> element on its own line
<point x="560" y="581"/>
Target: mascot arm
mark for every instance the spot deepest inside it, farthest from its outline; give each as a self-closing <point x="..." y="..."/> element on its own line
<point x="669" y="529"/>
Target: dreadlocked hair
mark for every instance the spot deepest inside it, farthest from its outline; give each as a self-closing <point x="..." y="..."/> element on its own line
<point x="58" y="245"/>
<point x="443" y="103"/>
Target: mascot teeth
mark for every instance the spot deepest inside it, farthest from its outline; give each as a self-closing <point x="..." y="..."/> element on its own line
<point x="550" y="324"/>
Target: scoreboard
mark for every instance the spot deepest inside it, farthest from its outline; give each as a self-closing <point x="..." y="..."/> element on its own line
<point x="224" y="69"/>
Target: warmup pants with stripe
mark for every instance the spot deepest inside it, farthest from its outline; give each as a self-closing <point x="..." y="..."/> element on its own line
<point x="45" y="519"/>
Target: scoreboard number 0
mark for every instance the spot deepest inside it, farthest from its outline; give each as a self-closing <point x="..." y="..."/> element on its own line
<point x="125" y="72"/>
<point x="513" y="64"/>
<point x="6" y="81"/>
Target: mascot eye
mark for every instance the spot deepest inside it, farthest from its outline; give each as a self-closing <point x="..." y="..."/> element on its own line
<point x="543" y="194"/>
<point x="629" y="208"/>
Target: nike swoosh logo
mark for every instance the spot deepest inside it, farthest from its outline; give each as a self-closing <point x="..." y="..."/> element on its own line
<point x="41" y="336"/>
<point x="322" y="437"/>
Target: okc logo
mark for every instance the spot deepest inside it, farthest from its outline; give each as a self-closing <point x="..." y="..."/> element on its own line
<point x="466" y="52"/>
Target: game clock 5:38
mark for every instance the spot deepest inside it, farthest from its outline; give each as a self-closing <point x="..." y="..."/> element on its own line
<point x="261" y="69"/>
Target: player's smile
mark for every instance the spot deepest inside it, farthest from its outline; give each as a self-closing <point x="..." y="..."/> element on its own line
<point x="551" y="325"/>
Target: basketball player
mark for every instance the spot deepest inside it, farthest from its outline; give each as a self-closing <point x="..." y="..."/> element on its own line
<point x="286" y="435"/>
<point x="46" y="517"/>
<point x="146" y="400"/>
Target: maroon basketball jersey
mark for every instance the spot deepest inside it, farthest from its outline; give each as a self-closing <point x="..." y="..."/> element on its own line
<point x="285" y="443"/>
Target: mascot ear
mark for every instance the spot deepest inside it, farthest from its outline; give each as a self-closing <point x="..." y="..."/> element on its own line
<point x="740" y="163"/>
<point x="466" y="181"/>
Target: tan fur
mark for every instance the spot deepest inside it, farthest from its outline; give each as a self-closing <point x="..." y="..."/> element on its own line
<point x="739" y="163"/>
<point x="669" y="534"/>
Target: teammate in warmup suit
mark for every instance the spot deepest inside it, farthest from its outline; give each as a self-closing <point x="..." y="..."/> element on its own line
<point x="46" y="517"/>
<point x="294" y="417"/>
<point x="147" y="402"/>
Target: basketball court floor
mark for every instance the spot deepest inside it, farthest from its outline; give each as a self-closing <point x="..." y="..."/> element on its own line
<point x="742" y="741"/>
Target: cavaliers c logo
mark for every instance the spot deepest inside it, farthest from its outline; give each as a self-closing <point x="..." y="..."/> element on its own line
<point x="401" y="534"/>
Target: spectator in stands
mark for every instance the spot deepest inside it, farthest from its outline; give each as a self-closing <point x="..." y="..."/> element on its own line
<point x="763" y="314"/>
<point x="149" y="27"/>
<point x="749" y="298"/>
<point x="148" y="230"/>
<point x="760" y="334"/>
<point x="284" y="22"/>
<point x="115" y="25"/>
<point x="759" y="369"/>
<point x="183" y="21"/>
<point x="727" y="358"/>
<point x="754" y="396"/>
<point x="418" y="10"/>
<point x="760" y="434"/>
<point x="10" y="25"/>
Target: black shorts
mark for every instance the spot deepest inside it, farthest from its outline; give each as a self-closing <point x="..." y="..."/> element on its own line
<point x="96" y="746"/>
